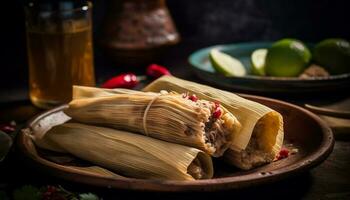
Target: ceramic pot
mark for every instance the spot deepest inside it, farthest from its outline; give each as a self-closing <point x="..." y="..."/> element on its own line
<point x="136" y="32"/>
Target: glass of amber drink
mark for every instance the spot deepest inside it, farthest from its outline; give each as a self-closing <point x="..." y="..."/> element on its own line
<point x="60" y="54"/>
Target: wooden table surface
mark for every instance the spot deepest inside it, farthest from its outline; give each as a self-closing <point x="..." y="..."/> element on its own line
<point x="330" y="180"/>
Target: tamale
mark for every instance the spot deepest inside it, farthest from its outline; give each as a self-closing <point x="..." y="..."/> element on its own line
<point x="130" y="154"/>
<point x="170" y="117"/>
<point x="261" y="136"/>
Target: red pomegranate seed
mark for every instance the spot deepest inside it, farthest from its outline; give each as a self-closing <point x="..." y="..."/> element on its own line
<point x="217" y="113"/>
<point x="193" y="98"/>
<point x="284" y="153"/>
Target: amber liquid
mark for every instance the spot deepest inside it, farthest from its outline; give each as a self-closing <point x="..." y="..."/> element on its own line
<point x="58" y="60"/>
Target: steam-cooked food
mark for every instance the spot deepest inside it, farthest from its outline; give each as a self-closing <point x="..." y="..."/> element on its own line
<point x="129" y="154"/>
<point x="261" y="136"/>
<point x="155" y="134"/>
<point x="173" y="117"/>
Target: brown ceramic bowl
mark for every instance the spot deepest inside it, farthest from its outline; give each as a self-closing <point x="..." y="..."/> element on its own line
<point x="304" y="129"/>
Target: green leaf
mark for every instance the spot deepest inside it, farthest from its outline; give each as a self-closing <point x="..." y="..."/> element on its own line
<point x="88" y="196"/>
<point x="27" y="192"/>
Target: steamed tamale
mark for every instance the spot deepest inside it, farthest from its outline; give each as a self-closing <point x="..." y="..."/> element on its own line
<point x="170" y="117"/>
<point x="261" y="136"/>
<point x="129" y="154"/>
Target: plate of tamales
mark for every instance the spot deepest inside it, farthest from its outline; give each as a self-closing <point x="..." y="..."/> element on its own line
<point x="174" y="135"/>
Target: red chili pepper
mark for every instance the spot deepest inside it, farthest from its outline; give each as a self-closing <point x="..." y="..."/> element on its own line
<point x="128" y="80"/>
<point x="156" y="71"/>
<point x="284" y="153"/>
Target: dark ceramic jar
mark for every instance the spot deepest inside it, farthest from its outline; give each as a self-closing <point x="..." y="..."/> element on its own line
<point x="137" y="31"/>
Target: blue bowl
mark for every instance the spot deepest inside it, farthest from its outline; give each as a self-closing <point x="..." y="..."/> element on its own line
<point x="202" y="67"/>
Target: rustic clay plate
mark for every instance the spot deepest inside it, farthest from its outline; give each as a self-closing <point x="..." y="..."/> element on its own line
<point x="340" y="109"/>
<point x="250" y="83"/>
<point x="305" y="130"/>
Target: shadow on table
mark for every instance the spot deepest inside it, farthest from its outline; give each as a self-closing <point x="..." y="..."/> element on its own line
<point x="291" y="188"/>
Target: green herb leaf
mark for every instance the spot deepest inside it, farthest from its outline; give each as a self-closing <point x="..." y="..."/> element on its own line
<point x="88" y="196"/>
<point x="27" y="192"/>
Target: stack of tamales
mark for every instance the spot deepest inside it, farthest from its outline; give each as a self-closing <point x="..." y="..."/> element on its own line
<point x="169" y="130"/>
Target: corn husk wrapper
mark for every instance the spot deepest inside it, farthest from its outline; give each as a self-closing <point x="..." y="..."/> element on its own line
<point x="81" y="92"/>
<point x="170" y="117"/>
<point x="130" y="154"/>
<point x="259" y="121"/>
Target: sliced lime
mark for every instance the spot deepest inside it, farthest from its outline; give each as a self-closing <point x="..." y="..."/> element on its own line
<point x="258" y="61"/>
<point x="226" y="64"/>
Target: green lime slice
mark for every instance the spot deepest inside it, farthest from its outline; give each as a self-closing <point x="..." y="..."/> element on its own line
<point x="226" y="64"/>
<point x="258" y="61"/>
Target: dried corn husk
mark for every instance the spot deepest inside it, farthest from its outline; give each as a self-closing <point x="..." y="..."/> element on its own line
<point x="170" y="117"/>
<point x="265" y="124"/>
<point x="80" y="92"/>
<point x="130" y="154"/>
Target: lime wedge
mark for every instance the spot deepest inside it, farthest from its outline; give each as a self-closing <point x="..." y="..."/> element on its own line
<point x="226" y="64"/>
<point x="258" y="61"/>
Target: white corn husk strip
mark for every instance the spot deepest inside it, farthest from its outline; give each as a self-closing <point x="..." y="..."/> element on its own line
<point x="129" y="154"/>
<point x="248" y="113"/>
<point x="170" y="117"/>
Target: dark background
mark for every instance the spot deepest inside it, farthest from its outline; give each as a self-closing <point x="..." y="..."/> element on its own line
<point x="200" y="23"/>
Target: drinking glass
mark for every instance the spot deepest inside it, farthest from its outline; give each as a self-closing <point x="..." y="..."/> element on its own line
<point x="60" y="53"/>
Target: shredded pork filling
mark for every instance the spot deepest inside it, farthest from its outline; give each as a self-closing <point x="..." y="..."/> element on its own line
<point x="195" y="169"/>
<point x="253" y="155"/>
<point x="215" y="133"/>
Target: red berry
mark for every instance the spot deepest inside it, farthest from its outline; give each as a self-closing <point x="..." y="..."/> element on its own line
<point x="128" y="80"/>
<point x="193" y="98"/>
<point x="156" y="71"/>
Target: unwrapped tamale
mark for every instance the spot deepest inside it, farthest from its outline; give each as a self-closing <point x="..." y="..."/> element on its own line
<point x="261" y="136"/>
<point x="172" y="117"/>
<point x="129" y="154"/>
